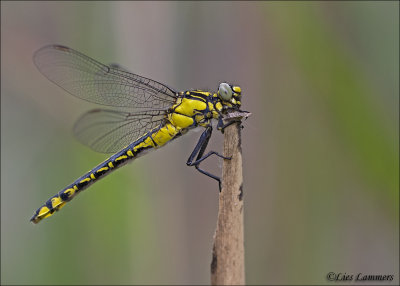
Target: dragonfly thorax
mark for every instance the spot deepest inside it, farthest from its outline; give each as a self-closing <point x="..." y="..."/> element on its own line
<point x="198" y="107"/>
<point x="192" y="108"/>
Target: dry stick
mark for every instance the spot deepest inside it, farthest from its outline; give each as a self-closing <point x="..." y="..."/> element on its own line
<point x="227" y="266"/>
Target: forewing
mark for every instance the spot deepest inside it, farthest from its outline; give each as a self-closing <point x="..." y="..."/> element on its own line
<point x="90" y="80"/>
<point x="108" y="131"/>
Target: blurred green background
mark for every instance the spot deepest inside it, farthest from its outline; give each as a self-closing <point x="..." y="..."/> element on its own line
<point x="320" y="152"/>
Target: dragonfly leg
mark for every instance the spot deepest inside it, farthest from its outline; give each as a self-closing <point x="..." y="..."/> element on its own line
<point x="199" y="150"/>
<point x="221" y="126"/>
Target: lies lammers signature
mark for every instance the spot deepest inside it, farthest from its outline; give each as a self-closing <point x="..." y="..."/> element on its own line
<point x="361" y="277"/>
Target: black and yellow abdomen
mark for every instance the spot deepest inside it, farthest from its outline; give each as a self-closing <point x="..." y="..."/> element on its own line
<point x="153" y="139"/>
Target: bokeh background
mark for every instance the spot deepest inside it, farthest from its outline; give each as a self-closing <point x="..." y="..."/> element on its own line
<point x="320" y="152"/>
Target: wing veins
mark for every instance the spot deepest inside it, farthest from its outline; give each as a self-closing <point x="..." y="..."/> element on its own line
<point x="116" y="123"/>
<point x="93" y="81"/>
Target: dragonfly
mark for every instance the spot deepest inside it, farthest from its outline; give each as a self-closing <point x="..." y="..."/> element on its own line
<point x="141" y="115"/>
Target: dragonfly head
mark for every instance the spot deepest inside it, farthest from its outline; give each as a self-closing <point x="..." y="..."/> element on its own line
<point x="229" y="95"/>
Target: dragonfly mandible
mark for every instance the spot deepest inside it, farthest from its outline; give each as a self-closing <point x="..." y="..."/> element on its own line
<point x="157" y="114"/>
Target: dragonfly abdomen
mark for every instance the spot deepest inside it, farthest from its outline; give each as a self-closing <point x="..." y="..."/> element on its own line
<point x="153" y="139"/>
<point x="57" y="201"/>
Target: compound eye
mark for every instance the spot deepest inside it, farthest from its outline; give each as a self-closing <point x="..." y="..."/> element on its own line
<point x="225" y="91"/>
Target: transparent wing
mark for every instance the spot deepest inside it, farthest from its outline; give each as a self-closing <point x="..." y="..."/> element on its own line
<point x="108" y="131"/>
<point x="90" y="80"/>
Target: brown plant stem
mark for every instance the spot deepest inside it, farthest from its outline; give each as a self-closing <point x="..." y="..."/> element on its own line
<point x="227" y="266"/>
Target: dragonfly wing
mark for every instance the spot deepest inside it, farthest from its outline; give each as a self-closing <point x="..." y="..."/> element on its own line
<point x="118" y="66"/>
<point x="90" y="80"/>
<point x="108" y="131"/>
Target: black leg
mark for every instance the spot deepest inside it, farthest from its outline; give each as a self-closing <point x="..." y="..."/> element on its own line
<point x="221" y="126"/>
<point x="199" y="150"/>
<point x="200" y="146"/>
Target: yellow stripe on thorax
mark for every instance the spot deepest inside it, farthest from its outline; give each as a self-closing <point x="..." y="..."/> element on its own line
<point x="190" y="107"/>
<point x="184" y="110"/>
<point x="198" y="97"/>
